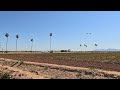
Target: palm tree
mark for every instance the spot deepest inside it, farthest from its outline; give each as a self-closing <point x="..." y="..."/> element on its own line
<point x="96" y="45"/>
<point x="50" y="41"/>
<point x="17" y="36"/>
<point x="7" y="35"/>
<point x="32" y="44"/>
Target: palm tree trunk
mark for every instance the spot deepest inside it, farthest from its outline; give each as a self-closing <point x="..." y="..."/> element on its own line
<point x="95" y="48"/>
<point x="81" y="49"/>
<point x="50" y="43"/>
<point x="31" y="46"/>
<point x="16" y="45"/>
<point x="2" y="50"/>
<point x="6" y="44"/>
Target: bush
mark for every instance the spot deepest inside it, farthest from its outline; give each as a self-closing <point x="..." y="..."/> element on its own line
<point x="63" y="50"/>
<point x="6" y="51"/>
<point x="78" y="74"/>
<point x="69" y="50"/>
<point x="45" y="68"/>
<point x="51" y="51"/>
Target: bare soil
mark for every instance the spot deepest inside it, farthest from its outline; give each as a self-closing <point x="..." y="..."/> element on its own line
<point x="105" y="61"/>
<point x="15" y="69"/>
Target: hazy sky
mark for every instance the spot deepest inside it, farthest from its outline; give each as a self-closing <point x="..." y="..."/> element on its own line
<point x="69" y="29"/>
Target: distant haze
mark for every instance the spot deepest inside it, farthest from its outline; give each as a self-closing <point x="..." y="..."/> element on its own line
<point x="109" y="49"/>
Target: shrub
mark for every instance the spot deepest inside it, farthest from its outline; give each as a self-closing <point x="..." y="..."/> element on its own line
<point x="78" y="74"/>
<point x="51" y="51"/>
<point x="5" y="76"/>
<point x="63" y="50"/>
<point x="45" y="68"/>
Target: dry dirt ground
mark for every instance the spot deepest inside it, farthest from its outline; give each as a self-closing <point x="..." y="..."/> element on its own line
<point x="14" y="69"/>
<point x="105" y="61"/>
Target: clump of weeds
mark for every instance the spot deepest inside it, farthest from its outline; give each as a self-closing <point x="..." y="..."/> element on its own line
<point x="5" y="76"/>
<point x="45" y="68"/>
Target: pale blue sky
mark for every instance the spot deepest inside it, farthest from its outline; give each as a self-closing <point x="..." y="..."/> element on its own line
<point x="69" y="29"/>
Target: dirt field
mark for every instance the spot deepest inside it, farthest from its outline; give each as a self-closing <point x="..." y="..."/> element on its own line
<point x="105" y="61"/>
<point x="14" y="69"/>
<point x="60" y="66"/>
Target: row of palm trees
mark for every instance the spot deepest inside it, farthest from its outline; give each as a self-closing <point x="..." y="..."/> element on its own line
<point x="17" y="36"/>
<point x="87" y="45"/>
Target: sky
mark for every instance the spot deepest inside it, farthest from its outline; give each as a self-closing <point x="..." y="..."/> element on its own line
<point x="69" y="30"/>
